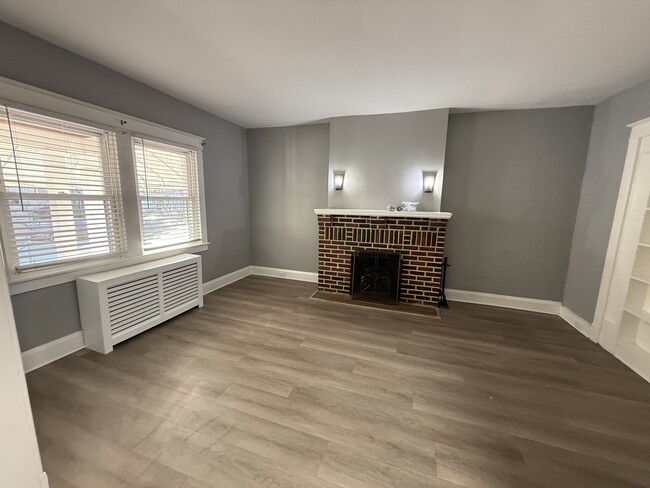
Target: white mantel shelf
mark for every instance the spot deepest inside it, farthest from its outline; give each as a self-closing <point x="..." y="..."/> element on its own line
<point x="364" y="212"/>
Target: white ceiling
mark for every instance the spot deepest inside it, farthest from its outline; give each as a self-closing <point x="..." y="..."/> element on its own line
<point x="280" y="62"/>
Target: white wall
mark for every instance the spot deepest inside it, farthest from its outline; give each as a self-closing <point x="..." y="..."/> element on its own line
<point x="383" y="157"/>
<point x="20" y="461"/>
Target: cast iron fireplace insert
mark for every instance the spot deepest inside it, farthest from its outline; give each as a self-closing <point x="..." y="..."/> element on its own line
<point x="375" y="276"/>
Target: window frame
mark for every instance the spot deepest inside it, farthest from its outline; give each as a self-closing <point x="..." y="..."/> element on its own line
<point x="199" y="170"/>
<point x="24" y="97"/>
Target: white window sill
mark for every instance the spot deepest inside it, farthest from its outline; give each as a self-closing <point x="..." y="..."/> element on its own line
<point x="37" y="279"/>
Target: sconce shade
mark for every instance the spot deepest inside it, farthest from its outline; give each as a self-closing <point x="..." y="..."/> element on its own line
<point x="428" y="180"/>
<point x="339" y="176"/>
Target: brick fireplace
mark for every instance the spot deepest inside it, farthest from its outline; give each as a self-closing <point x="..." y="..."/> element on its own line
<point x="418" y="236"/>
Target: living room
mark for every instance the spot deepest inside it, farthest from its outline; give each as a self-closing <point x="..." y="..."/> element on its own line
<point x="497" y="151"/>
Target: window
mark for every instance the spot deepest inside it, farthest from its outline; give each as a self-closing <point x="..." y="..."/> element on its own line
<point x="60" y="191"/>
<point x="91" y="189"/>
<point x="168" y="193"/>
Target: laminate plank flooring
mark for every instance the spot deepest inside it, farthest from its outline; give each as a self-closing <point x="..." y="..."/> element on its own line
<point x="264" y="387"/>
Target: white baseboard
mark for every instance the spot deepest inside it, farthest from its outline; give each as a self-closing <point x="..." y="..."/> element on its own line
<point x="47" y="353"/>
<point x="212" y="285"/>
<point x="578" y="323"/>
<point x="50" y="352"/>
<point x="594" y="333"/>
<point x="288" y="274"/>
<point x="506" y="301"/>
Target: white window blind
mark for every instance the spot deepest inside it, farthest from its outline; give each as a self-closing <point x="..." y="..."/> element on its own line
<point x="60" y="190"/>
<point x="168" y="191"/>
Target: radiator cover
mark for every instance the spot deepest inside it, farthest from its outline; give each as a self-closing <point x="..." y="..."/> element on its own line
<point x="116" y="305"/>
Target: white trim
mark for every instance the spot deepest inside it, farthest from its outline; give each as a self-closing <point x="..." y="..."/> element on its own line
<point x="288" y="274"/>
<point x="47" y="353"/>
<point x="506" y="301"/>
<point x="20" y="460"/>
<point x="640" y="128"/>
<point x="28" y="97"/>
<point x="365" y="212"/>
<point x="591" y="331"/>
<point x="225" y="280"/>
<point x="578" y="323"/>
<point x="60" y="275"/>
<point x="45" y="482"/>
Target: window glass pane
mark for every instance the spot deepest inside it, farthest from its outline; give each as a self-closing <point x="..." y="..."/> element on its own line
<point x="60" y="189"/>
<point x="168" y="193"/>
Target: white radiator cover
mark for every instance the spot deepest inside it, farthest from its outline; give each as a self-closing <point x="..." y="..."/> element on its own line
<point x="116" y="305"/>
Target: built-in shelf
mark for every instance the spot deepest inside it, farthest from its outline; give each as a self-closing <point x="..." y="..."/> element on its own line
<point x="639" y="313"/>
<point x="643" y="244"/>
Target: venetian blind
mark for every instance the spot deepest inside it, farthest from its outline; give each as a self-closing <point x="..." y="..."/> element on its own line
<point x="60" y="190"/>
<point x="168" y="191"/>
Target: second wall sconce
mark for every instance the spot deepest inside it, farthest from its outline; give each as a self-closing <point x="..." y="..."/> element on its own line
<point x="428" y="181"/>
<point x="339" y="176"/>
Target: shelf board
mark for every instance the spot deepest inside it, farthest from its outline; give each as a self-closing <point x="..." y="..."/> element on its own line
<point x="643" y="244"/>
<point x="639" y="313"/>
<point x="642" y="280"/>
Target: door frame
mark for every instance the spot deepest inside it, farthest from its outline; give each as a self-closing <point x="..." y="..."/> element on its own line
<point x="605" y="328"/>
<point x="20" y="460"/>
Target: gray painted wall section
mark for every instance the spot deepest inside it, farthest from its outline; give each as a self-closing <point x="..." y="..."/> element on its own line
<point x="383" y="157"/>
<point x="512" y="182"/>
<point x="46" y="314"/>
<point x="605" y="161"/>
<point x="31" y="60"/>
<point x="288" y="175"/>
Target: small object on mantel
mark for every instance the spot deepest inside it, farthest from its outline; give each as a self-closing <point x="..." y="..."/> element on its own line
<point x="391" y="208"/>
<point x="409" y="206"/>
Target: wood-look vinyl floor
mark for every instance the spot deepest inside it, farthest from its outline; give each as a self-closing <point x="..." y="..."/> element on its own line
<point x="264" y="387"/>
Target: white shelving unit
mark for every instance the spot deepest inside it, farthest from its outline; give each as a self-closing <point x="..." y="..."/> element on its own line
<point x="635" y="323"/>
<point x="633" y="345"/>
<point x="623" y="311"/>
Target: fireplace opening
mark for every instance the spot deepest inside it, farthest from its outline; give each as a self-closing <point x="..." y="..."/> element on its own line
<point x="375" y="276"/>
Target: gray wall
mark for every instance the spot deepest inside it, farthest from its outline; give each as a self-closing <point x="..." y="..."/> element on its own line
<point x="288" y="175"/>
<point x="383" y="157"/>
<point x="512" y="182"/>
<point x="28" y="59"/>
<point x="605" y="160"/>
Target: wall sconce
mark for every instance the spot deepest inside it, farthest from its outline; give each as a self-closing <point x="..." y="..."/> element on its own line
<point x="339" y="176"/>
<point x="428" y="180"/>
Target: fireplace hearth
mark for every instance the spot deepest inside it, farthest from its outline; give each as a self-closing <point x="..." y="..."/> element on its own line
<point x="375" y="276"/>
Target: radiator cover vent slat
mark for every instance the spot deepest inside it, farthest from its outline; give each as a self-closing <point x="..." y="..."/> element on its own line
<point x="133" y="304"/>
<point x="179" y="286"/>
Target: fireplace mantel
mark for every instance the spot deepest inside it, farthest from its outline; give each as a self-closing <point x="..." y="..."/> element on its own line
<point x="364" y="212"/>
